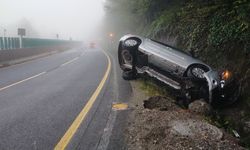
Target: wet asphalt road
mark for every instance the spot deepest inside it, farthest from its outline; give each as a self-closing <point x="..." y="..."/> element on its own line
<point x="40" y="99"/>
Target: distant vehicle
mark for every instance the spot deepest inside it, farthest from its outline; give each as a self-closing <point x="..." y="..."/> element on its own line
<point x="92" y="44"/>
<point x="176" y="68"/>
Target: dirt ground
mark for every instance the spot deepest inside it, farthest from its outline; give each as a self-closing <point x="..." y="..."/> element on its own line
<point x="157" y="123"/>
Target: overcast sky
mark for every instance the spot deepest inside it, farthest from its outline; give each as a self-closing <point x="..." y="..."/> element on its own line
<point x="69" y="18"/>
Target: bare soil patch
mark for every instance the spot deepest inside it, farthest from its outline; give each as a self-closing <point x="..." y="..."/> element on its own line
<point x="157" y="123"/>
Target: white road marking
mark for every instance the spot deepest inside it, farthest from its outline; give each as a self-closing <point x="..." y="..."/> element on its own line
<point x="68" y="62"/>
<point x="35" y="76"/>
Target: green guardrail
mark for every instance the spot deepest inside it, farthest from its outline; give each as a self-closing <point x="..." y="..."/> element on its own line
<point x="1" y="43"/>
<point x="31" y="42"/>
<point x="14" y="43"/>
<point x="8" y="43"/>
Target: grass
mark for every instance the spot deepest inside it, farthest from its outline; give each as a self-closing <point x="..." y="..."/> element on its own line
<point x="150" y="87"/>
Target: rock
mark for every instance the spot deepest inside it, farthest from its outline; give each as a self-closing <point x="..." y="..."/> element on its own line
<point x="195" y="129"/>
<point x="200" y="107"/>
<point x="158" y="103"/>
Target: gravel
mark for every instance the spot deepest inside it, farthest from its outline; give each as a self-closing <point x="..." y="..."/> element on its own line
<point x="164" y="125"/>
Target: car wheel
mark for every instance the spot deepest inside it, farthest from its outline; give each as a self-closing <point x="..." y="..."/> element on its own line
<point x="126" y="59"/>
<point x="197" y="71"/>
<point x="127" y="53"/>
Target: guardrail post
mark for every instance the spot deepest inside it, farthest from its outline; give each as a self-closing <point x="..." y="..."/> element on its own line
<point x="21" y="41"/>
<point x="17" y="43"/>
<point x="11" y="44"/>
<point x="1" y="43"/>
<point x="4" y="42"/>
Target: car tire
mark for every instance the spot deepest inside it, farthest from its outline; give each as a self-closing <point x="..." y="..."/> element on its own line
<point x="191" y="74"/>
<point x="127" y="54"/>
<point x="129" y="75"/>
<point x="128" y="59"/>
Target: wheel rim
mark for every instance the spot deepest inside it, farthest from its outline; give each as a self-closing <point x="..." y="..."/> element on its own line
<point x="127" y="57"/>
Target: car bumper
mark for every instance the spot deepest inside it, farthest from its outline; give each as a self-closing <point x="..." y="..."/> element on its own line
<point x="227" y="95"/>
<point x="218" y="94"/>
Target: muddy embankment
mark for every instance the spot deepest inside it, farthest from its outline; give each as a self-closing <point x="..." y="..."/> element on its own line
<point x="158" y="123"/>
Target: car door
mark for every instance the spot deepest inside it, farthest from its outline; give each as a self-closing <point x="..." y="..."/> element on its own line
<point x="160" y="57"/>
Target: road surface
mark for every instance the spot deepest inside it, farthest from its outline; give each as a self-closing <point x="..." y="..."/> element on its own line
<point x="61" y="101"/>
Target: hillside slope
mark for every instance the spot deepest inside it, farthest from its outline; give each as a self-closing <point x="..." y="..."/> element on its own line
<point x="217" y="31"/>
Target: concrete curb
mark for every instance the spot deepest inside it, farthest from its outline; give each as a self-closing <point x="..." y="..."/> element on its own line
<point x="13" y="57"/>
<point x="25" y="59"/>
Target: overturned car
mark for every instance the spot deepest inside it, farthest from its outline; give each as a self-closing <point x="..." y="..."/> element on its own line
<point x="176" y="68"/>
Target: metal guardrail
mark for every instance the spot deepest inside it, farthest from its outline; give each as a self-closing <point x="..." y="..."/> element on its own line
<point x="7" y="43"/>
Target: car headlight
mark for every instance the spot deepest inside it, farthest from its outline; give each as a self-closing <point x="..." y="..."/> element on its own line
<point x="131" y="43"/>
<point x="198" y="72"/>
<point x="225" y="78"/>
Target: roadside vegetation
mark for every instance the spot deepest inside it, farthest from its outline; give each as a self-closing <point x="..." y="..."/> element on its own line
<point x="216" y="31"/>
<point x="151" y="88"/>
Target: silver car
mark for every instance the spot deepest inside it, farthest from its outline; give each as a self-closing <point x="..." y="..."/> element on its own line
<point x="176" y="68"/>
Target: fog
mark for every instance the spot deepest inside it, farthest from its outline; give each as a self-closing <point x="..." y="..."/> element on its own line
<point x="78" y="19"/>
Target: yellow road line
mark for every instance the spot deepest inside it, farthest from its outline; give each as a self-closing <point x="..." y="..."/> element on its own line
<point x="3" y="88"/>
<point x="119" y="106"/>
<point x="68" y="62"/>
<point x="81" y="116"/>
